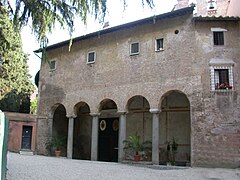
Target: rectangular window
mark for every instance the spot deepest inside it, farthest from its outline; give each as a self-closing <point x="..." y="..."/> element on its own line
<point x="134" y="48"/>
<point x="218" y="38"/>
<point x="91" y="57"/>
<point x="52" y="65"/>
<point x="221" y="78"/>
<point x="159" y="45"/>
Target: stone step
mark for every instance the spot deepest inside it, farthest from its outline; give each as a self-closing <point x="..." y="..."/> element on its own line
<point x="26" y="152"/>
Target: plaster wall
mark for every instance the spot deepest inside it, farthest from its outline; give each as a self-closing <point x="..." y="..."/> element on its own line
<point x="234" y="8"/>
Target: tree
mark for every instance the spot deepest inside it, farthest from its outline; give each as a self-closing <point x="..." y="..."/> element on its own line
<point x="14" y="78"/>
<point x="45" y="13"/>
<point x="33" y="107"/>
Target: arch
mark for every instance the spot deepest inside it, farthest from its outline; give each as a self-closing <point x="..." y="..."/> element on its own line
<point x="82" y="132"/>
<point x="137" y="102"/>
<point x="171" y="93"/>
<point x="108" y="131"/>
<point x="175" y="125"/>
<point x="107" y="104"/>
<point x="60" y="125"/>
<point x="139" y="120"/>
<point x="81" y="108"/>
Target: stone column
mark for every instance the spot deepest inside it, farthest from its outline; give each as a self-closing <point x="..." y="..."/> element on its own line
<point x="155" y="136"/>
<point x="122" y="135"/>
<point x="94" y="146"/>
<point x="70" y="137"/>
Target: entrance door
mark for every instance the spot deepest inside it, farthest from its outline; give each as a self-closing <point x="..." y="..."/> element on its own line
<point x="108" y="140"/>
<point x="26" y="137"/>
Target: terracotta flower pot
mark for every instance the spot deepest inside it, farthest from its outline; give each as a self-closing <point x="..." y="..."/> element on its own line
<point x="137" y="157"/>
<point x="57" y="153"/>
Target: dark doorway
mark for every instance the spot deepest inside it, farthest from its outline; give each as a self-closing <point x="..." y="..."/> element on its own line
<point x="108" y="140"/>
<point x="26" y="137"/>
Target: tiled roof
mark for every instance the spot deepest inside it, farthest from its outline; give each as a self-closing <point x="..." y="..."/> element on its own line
<point x="172" y="14"/>
<point x="216" y="18"/>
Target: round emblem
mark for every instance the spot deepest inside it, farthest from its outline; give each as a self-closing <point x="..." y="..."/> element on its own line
<point x="103" y="125"/>
<point x="115" y="125"/>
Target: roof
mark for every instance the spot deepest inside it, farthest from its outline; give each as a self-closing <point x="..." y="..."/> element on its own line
<point x="172" y="14"/>
<point x="216" y="18"/>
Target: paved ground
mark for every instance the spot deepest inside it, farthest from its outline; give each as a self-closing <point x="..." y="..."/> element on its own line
<point x="24" y="167"/>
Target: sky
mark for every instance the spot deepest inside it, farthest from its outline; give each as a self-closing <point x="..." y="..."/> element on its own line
<point x="116" y="15"/>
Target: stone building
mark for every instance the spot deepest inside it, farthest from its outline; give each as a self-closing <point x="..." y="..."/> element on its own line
<point x="168" y="76"/>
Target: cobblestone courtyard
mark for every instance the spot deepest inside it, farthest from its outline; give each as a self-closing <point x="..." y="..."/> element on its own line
<point x="24" y="167"/>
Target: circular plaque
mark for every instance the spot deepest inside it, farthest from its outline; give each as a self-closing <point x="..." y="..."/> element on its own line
<point x="103" y="125"/>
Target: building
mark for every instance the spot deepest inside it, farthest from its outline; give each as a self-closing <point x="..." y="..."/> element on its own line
<point x="21" y="132"/>
<point x="170" y="76"/>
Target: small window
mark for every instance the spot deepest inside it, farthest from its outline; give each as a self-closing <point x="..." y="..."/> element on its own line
<point x="91" y="57"/>
<point x="52" y="65"/>
<point x="159" y="45"/>
<point x="218" y="38"/>
<point x="134" y="48"/>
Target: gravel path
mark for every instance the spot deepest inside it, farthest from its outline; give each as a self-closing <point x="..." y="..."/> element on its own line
<point x="23" y="167"/>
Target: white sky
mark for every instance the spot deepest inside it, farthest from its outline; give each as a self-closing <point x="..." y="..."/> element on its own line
<point x="116" y="15"/>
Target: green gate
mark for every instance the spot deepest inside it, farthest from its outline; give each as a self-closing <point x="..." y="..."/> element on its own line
<point x="3" y="145"/>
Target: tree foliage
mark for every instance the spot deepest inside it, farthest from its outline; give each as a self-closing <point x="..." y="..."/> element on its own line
<point x="33" y="107"/>
<point x="14" y="79"/>
<point x="45" y="13"/>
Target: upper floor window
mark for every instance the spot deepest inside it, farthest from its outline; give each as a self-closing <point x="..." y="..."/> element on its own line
<point x="159" y="44"/>
<point x="52" y="65"/>
<point x="91" y="57"/>
<point x="218" y="36"/>
<point x="134" y="48"/>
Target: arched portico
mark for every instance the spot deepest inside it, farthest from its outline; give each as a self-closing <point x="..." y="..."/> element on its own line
<point x="175" y="124"/>
<point x="82" y="132"/>
<point x="139" y="120"/>
<point x="108" y="128"/>
<point x="60" y="125"/>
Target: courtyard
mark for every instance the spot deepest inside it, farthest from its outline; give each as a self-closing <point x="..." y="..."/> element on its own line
<point x="24" y="167"/>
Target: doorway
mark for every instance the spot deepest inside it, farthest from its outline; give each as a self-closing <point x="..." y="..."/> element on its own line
<point x="108" y="139"/>
<point x="26" y="137"/>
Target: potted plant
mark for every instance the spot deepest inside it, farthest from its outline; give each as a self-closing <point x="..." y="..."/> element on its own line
<point x="134" y="143"/>
<point x="56" y="142"/>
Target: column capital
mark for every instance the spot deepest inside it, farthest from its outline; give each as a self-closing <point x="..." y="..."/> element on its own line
<point x="154" y="111"/>
<point x="122" y="112"/>
<point x="70" y="116"/>
<point x="94" y="114"/>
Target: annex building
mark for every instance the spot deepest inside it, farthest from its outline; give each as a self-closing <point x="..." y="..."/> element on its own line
<point x="173" y="75"/>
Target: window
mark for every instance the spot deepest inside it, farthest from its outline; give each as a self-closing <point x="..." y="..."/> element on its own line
<point x="134" y="48"/>
<point x="159" y="45"/>
<point x="52" y="65"/>
<point x="218" y="35"/>
<point x="221" y="77"/>
<point x="218" y="38"/>
<point x="91" y="57"/>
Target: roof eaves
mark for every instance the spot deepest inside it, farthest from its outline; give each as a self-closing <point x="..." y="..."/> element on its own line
<point x="176" y="13"/>
<point x="216" y="18"/>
